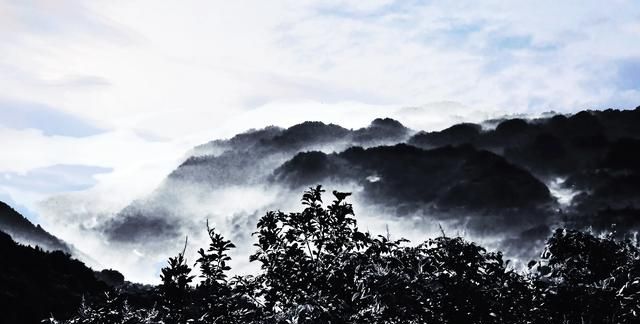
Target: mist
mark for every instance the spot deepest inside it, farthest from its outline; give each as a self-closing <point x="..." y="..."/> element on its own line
<point x="135" y="231"/>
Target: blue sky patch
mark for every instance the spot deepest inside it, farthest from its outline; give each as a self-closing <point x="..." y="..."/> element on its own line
<point x="628" y="76"/>
<point x="23" y="115"/>
<point x="24" y="211"/>
<point x="54" y="179"/>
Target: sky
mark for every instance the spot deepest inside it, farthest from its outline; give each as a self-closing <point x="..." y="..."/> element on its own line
<point x="101" y="99"/>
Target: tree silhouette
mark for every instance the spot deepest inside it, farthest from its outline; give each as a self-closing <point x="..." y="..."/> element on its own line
<point x="318" y="267"/>
<point x="175" y="289"/>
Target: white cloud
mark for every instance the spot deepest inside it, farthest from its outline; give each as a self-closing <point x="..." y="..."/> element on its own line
<point x="161" y="76"/>
<point x="189" y="65"/>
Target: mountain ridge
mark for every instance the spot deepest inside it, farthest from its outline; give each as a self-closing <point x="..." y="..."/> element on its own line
<point x="522" y="177"/>
<point x="22" y="230"/>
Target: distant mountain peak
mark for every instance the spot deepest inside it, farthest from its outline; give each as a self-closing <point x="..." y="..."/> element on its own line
<point x="386" y="122"/>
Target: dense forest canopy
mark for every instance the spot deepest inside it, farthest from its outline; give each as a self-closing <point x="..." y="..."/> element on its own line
<point x="317" y="266"/>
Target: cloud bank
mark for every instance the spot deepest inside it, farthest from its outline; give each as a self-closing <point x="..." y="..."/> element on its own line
<point x="132" y="86"/>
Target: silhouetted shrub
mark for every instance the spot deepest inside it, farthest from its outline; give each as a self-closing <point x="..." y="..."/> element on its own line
<point x="318" y="267"/>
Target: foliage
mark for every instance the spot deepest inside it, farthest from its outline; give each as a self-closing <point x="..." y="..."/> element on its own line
<point x="318" y="267"/>
<point x="213" y="262"/>
<point x="113" y="309"/>
<point x="305" y="258"/>
<point x="591" y="279"/>
<point x="175" y="288"/>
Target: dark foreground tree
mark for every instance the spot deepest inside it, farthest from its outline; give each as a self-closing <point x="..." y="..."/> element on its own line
<point x="175" y="290"/>
<point x="318" y="267"/>
<point x="589" y="279"/>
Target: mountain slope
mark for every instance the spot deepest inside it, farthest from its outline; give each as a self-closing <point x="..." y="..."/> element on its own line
<point x="246" y="160"/>
<point x="37" y="284"/>
<point x="22" y="230"/>
<point x="594" y="153"/>
<point x="552" y="145"/>
<point x="511" y="182"/>
<point x="447" y="177"/>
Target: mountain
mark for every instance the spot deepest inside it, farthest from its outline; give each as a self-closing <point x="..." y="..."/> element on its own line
<point x="461" y="186"/>
<point x="547" y="146"/>
<point x="247" y="159"/>
<point x="595" y="153"/>
<point x="510" y="181"/>
<point x="22" y="230"/>
<point x="37" y="284"/>
<point x="442" y="178"/>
